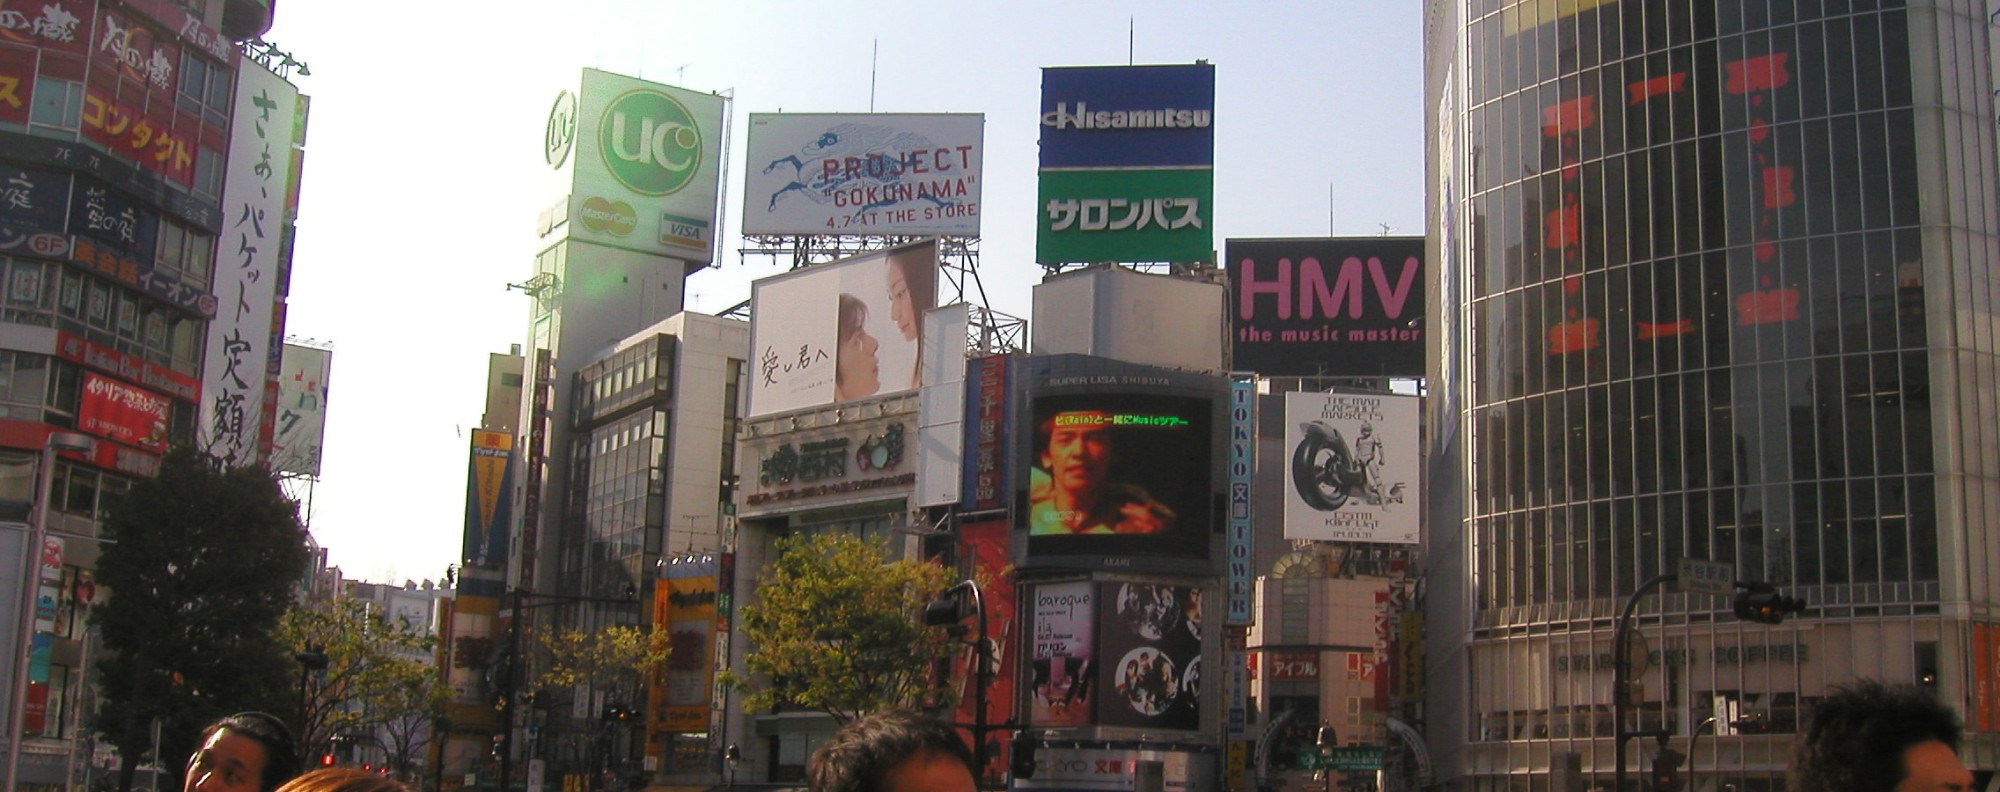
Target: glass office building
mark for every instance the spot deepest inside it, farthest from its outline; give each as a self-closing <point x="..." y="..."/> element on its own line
<point x="1717" y="282"/>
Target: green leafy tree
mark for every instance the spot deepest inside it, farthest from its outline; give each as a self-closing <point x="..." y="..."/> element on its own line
<point x="617" y="661"/>
<point x="839" y="628"/>
<point x="200" y="566"/>
<point x="378" y="684"/>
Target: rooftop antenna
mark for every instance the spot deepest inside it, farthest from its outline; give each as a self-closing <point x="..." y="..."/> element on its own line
<point x="681" y="72"/>
<point x="1131" y="36"/>
<point x="1329" y="209"/>
<point x="874" y="59"/>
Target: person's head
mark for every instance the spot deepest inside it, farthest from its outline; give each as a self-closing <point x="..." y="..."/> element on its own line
<point x="1367" y="428"/>
<point x="1078" y="452"/>
<point x="856" y="372"/>
<point x="245" y="752"/>
<point x="1872" y="737"/>
<point x="894" y="751"/>
<point x="912" y="289"/>
<point x="343" y="779"/>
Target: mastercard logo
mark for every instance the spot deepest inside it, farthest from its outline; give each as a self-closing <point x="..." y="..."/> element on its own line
<point x="608" y="217"/>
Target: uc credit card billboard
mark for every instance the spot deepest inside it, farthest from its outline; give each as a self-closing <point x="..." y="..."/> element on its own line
<point x="863" y="173"/>
<point x="640" y="163"/>
<point x="1127" y="164"/>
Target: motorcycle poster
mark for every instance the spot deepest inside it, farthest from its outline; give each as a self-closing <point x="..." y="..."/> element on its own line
<point x="1351" y="467"/>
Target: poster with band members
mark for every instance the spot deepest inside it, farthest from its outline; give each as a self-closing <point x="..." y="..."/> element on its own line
<point x="1150" y="635"/>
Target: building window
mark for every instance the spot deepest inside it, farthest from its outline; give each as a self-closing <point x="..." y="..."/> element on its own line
<point x="58" y="104"/>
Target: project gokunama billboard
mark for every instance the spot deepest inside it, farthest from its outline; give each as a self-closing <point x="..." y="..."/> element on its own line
<point x="640" y="163"/>
<point x="841" y="331"/>
<point x="1127" y="164"/>
<point x="1351" y="473"/>
<point x="1328" y="306"/>
<point x="896" y="174"/>
<point x="1122" y="463"/>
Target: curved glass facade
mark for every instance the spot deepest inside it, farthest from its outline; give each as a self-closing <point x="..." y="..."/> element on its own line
<point x="1724" y="271"/>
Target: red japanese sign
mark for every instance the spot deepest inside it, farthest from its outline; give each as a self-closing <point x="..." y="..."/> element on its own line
<point x="116" y="411"/>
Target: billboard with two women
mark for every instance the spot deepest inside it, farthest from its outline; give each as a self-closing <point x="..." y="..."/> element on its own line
<point x="846" y="330"/>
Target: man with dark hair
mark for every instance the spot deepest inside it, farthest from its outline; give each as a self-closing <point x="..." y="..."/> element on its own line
<point x="245" y="752"/>
<point x="1872" y="737"/>
<point x="894" y="751"/>
<point x="1069" y="491"/>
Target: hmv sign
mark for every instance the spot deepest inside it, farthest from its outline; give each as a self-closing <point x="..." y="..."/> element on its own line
<point x="1327" y="306"/>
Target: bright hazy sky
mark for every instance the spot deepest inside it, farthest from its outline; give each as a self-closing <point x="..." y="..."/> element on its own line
<point x="423" y="172"/>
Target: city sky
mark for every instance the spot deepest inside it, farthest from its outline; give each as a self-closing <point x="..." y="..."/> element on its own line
<point x="423" y="173"/>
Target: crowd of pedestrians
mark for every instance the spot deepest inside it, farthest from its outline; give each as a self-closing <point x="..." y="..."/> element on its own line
<point x="1865" y="737"/>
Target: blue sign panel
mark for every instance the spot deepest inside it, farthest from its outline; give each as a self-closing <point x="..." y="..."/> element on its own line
<point x="1128" y="116"/>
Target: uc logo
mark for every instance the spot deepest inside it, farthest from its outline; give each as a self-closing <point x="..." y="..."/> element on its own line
<point x="650" y="142"/>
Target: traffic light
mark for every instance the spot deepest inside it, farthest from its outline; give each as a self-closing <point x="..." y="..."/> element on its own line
<point x="326" y="760"/>
<point x="1764" y="604"/>
<point x="1667" y="770"/>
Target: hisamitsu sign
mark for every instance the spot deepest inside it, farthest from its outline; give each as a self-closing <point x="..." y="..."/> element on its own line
<point x="1336" y="306"/>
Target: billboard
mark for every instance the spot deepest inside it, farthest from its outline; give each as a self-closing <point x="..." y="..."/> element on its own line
<point x="1119" y="215"/>
<point x="1120" y="474"/>
<point x="1128" y="116"/>
<point x="687" y="613"/>
<point x="986" y="432"/>
<point x="986" y="543"/>
<point x="640" y="163"/>
<point x="247" y="271"/>
<point x="130" y="103"/>
<point x="1352" y="471"/>
<point x="855" y="173"/>
<point x="116" y="411"/>
<point x="1327" y="306"/>
<point x="1064" y="683"/>
<point x="1149" y="636"/>
<point x="301" y="416"/>
<point x="1127" y="164"/>
<point x="488" y="499"/>
<point x="840" y="331"/>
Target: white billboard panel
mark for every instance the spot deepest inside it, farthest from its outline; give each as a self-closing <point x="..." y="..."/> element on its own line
<point x="863" y="173"/>
<point x="941" y="414"/>
<point x="246" y="265"/>
<point x="645" y="163"/>
<point x="301" y="416"/>
<point x="841" y="331"/>
<point x="1351" y="472"/>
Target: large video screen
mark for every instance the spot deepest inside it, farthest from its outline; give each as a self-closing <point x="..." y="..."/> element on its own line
<point x="1120" y="474"/>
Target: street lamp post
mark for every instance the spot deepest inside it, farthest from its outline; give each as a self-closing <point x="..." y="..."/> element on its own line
<point x="313" y="659"/>
<point x="1621" y="673"/>
<point x="1756" y="601"/>
<point x="945" y="612"/>
<point x="31" y="573"/>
